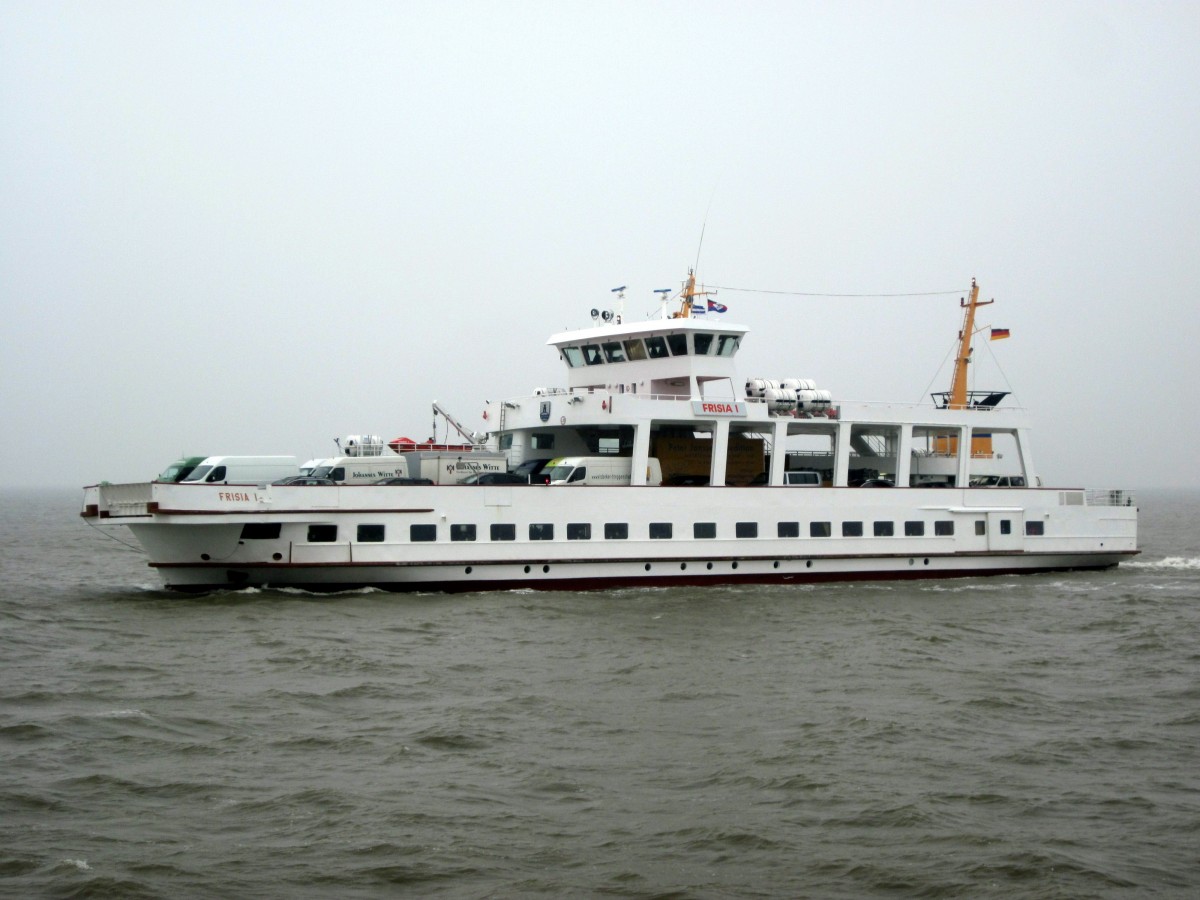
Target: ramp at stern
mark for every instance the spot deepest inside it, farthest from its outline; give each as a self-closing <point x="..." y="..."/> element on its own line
<point x="118" y="501"/>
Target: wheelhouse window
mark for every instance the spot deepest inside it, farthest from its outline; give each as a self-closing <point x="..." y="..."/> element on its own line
<point x="703" y="343"/>
<point x="579" y="531"/>
<point x="573" y="356"/>
<point x="322" y="534"/>
<point x="820" y="529"/>
<point x="543" y="531"/>
<point x="634" y="350"/>
<point x="370" y="534"/>
<point x="616" y="531"/>
<point x="462" y="532"/>
<point x="613" y="352"/>
<point x="503" y="532"/>
<point x="727" y="345"/>
<point x="657" y="347"/>
<point x="660" y="531"/>
<point x="943" y="527"/>
<point x="420" y="533"/>
<point x="592" y="355"/>
<point x="746" y="529"/>
<point x="852" y="529"/>
<point x="260" y="531"/>
<point x="1035" y="528"/>
<point x="788" y="529"/>
<point x="914" y="529"/>
<point x="678" y="344"/>
<point x="704" y="530"/>
<point x="885" y="529"/>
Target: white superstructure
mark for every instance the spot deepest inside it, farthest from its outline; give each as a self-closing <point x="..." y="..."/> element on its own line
<point x="713" y="461"/>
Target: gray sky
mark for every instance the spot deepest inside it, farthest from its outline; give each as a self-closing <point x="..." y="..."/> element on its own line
<point x="239" y="227"/>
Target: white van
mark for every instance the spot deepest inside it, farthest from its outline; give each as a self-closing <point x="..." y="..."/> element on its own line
<point x="598" y="470"/>
<point x="802" y="478"/>
<point x="361" y="469"/>
<point x="243" y="469"/>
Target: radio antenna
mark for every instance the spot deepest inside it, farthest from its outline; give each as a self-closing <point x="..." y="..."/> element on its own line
<point x="696" y="268"/>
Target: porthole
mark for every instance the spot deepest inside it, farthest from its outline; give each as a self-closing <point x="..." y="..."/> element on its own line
<point x="808" y="564"/>
<point x="205" y="557"/>
<point x="467" y="570"/>
<point x="545" y="568"/>
<point x="527" y="570"/>
<point x="682" y="566"/>
<point x="708" y="565"/>
<point x="277" y="556"/>
<point x="735" y="563"/>
<point x="647" y="567"/>
<point x="927" y="560"/>
<point x="912" y="562"/>
<point x="775" y="565"/>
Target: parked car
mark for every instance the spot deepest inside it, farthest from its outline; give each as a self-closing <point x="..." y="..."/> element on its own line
<point x="878" y="482"/>
<point x="495" y="478"/>
<point x="399" y="481"/>
<point x="531" y="470"/>
<point x="295" y="480"/>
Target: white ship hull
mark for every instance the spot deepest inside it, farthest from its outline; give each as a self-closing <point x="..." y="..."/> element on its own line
<point x="219" y="537"/>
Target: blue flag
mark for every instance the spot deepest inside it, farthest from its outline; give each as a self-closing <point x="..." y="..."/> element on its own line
<point x="714" y="306"/>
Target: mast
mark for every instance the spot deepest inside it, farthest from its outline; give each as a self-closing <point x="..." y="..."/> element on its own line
<point x="688" y="295"/>
<point x="956" y="398"/>
<point x="958" y="384"/>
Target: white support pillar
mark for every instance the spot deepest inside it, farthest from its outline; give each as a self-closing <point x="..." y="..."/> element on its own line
<point x="641" y="453"/>
<point x="963" y="476"/>
<point x="904" y="457"/>
<point x="778" y="450"/>
<point x="841" y="450"/>
<point x="720" y="451"/>
<point x="1026" y="459"/>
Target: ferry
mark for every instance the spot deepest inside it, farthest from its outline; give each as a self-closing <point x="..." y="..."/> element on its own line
<point x="655" y="464"/>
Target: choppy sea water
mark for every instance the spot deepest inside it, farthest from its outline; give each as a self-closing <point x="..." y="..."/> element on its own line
<point x="1031" y="736"/>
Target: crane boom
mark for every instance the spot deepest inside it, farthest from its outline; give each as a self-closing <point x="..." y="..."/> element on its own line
<point x="471" y="436"/>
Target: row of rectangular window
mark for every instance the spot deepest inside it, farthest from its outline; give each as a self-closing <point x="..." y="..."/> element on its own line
<point x="654" y="347"/>
<point x="619" y="531"/>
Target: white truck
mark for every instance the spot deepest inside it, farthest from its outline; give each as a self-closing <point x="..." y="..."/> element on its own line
<point x="438" y="466"/>
<point x="598" y="470"/>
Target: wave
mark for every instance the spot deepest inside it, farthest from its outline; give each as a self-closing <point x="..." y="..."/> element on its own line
<point x="1170" y="562"/>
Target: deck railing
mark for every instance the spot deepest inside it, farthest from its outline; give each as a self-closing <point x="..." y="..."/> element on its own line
<point x="1113" y="497"/>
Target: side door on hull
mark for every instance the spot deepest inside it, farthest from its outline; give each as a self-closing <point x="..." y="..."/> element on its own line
<point x="1006" y="530"/>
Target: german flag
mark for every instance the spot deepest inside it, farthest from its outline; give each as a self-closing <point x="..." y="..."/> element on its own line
<point x="999" y="334"/>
